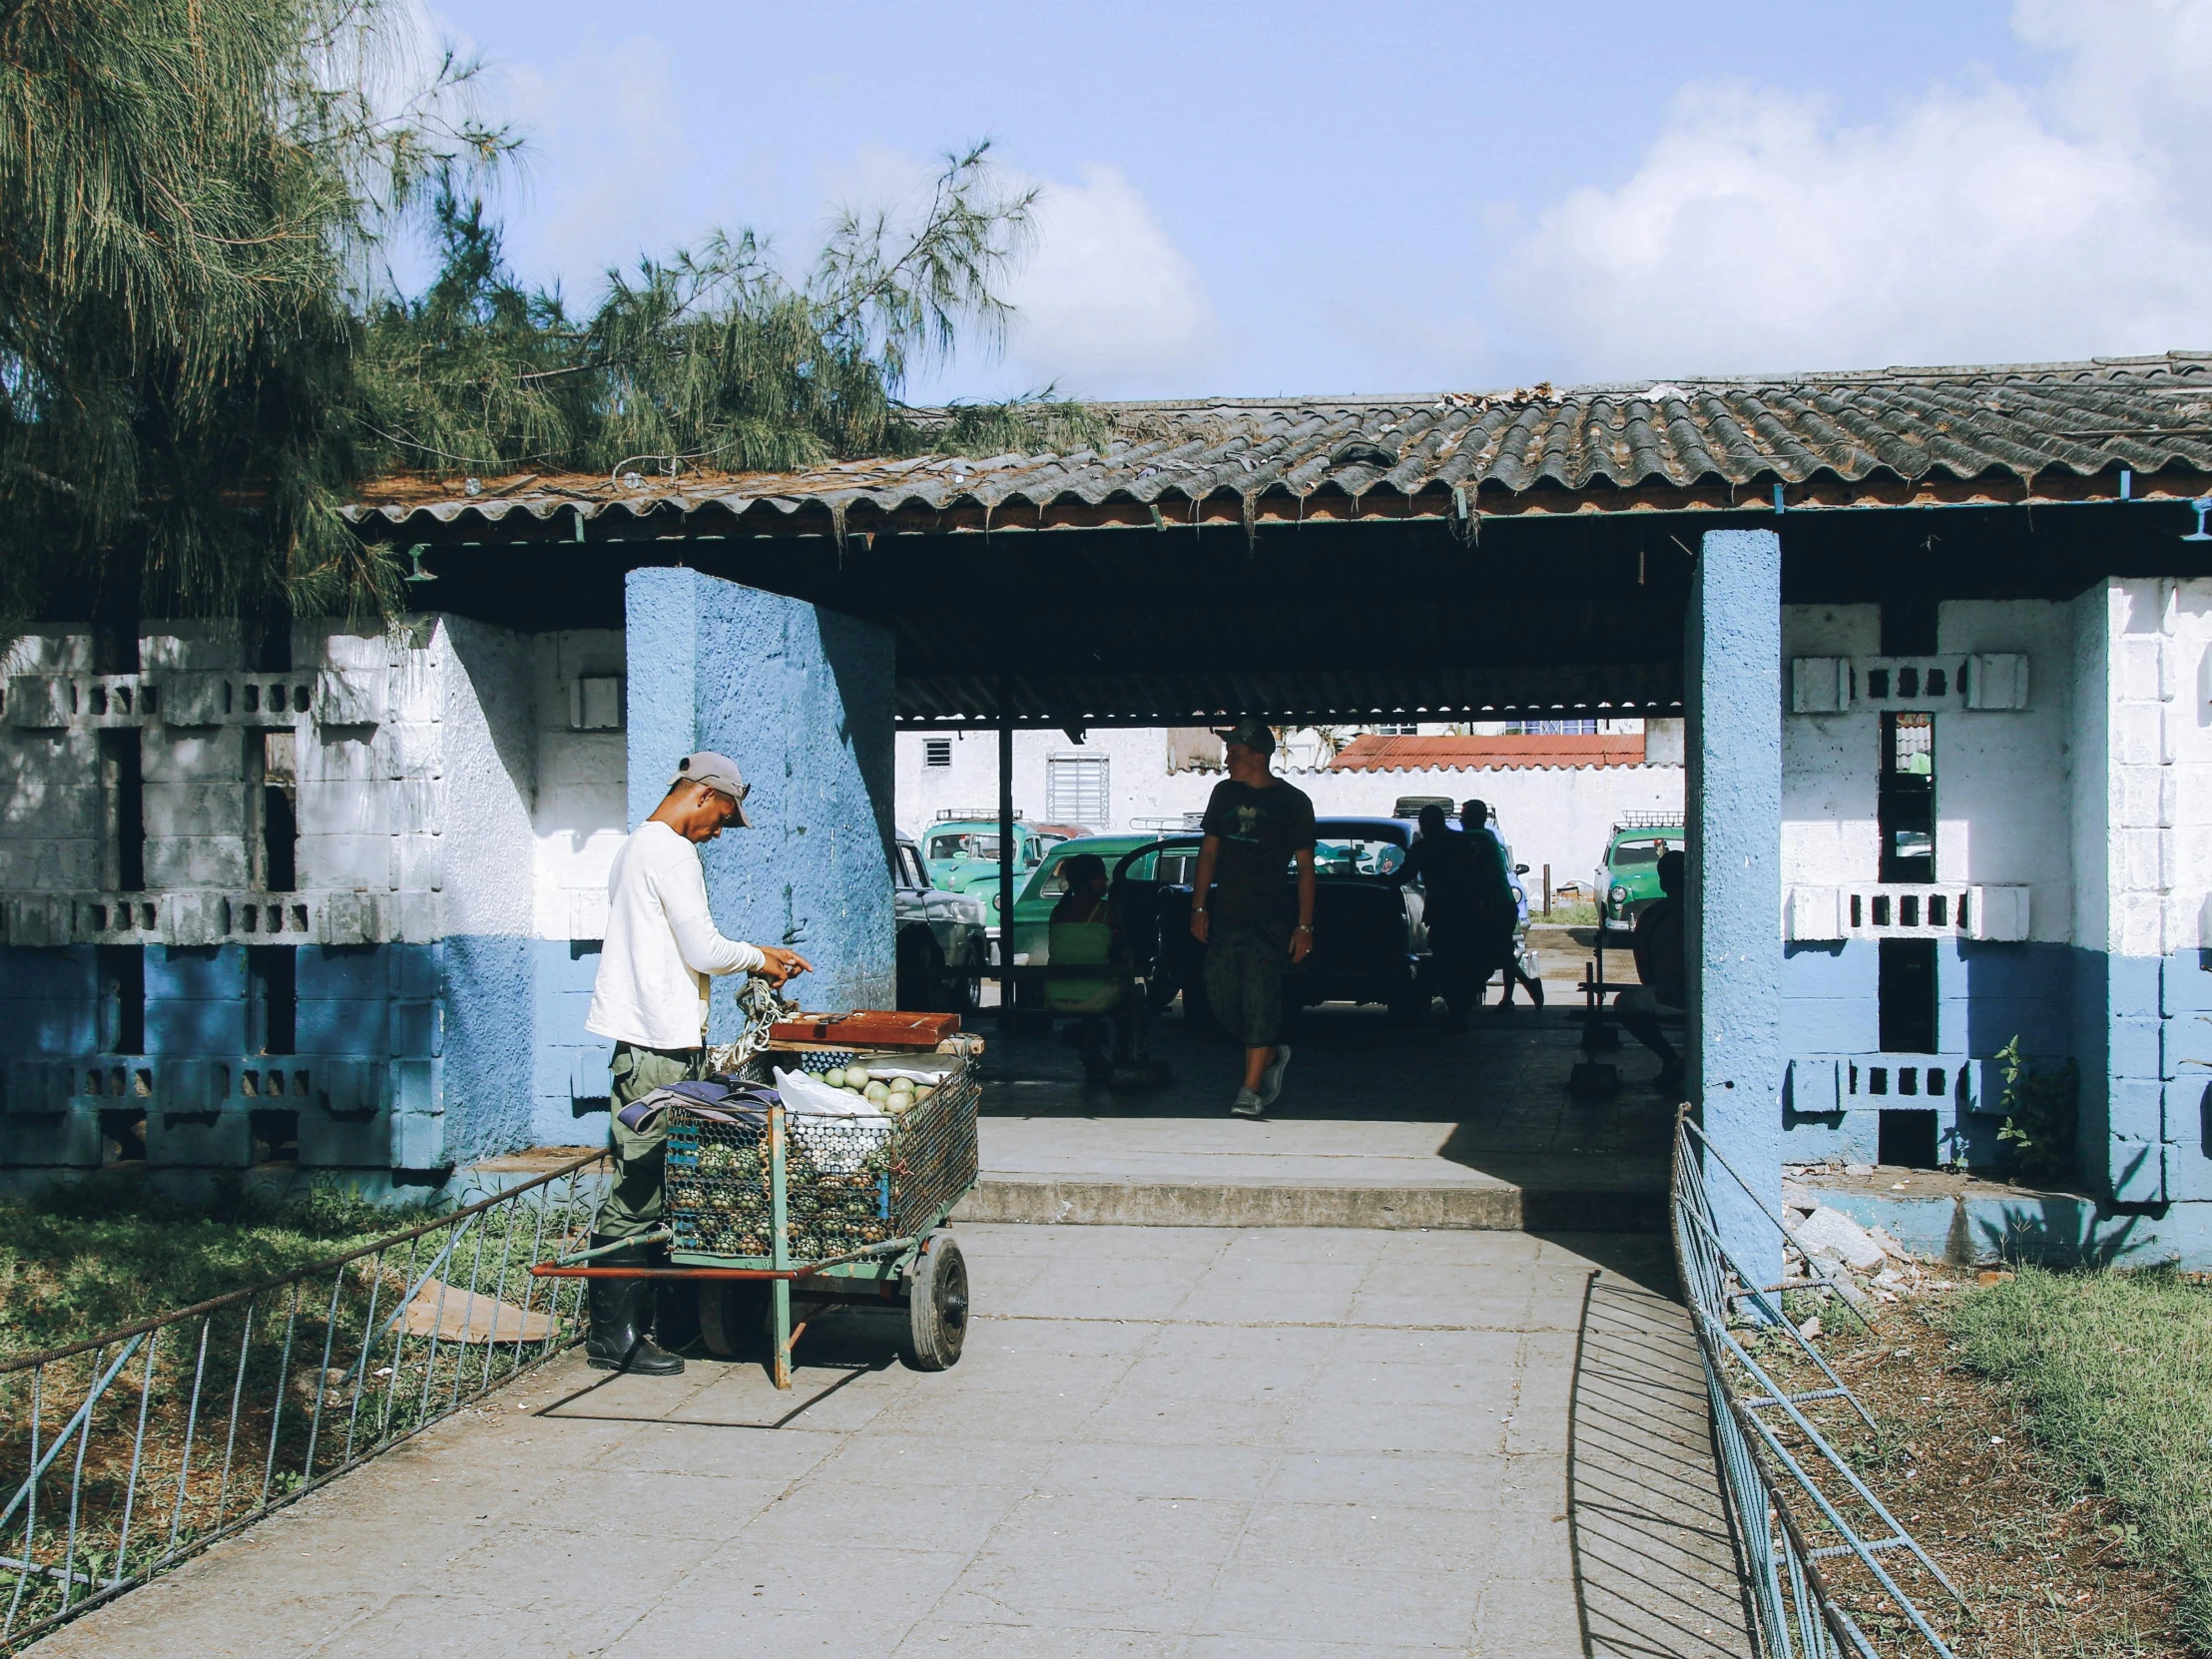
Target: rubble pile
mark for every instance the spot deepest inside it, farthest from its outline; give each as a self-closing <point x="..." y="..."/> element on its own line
<point x="1865" y="1263"/>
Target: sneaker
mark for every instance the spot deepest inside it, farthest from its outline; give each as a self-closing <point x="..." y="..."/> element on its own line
<point x="1270" y="1080"/>
<point x="1247" y="1104"/>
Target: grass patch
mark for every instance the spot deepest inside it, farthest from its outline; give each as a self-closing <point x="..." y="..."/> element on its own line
<point x="2114" y="1374"/>
<point x="86" y="1259"/>
<point x="1564" y="914"/>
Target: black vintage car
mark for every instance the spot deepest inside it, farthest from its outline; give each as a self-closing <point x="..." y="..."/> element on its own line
<point x="1369" y="943"/>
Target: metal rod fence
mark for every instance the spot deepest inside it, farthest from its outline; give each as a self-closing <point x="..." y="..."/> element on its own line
<point x="125" y="1452"/>
<point x="1827" y="1571"/>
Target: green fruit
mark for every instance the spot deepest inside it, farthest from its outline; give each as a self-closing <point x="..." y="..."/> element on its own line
<point x="857" y="1076"/>
<point x="878" y="1091"/>
<point x="835" y="1077"/>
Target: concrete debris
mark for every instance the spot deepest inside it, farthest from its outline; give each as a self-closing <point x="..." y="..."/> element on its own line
<point x="1810" y="1329"/>
<point x="1828" y="1232"/>
<point x="454" y="1315"/>
<point x="1798" y="1197"/>
<point x="1859" y="1169"/>
<point x="1891" y="1245"/>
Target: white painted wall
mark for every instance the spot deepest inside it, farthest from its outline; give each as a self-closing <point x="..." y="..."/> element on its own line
<point x="1559" y="817"/>
<point x="2004" y="778"/>
<point x="1829" y="762"/>
<point x="484" y="852"/>
<point x="583" y="778"/>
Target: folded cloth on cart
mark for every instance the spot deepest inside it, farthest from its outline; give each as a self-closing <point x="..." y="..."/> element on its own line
<point x="718" y="1102"/>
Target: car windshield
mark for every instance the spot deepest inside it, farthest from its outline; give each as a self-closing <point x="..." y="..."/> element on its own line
<point x="1640" y="851"/>
<point x="1357" y="855"/>
<point x="964" y="844"/>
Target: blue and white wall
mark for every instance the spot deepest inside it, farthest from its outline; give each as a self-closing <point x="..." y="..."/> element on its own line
<point x="2074" y="795"/>
<point x="460" y="791"/>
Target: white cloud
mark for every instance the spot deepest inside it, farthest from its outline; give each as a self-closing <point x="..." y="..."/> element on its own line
<point x="1979" y="225"/>
<point x="608" y="169"/>
<point x="1107" y="301"/>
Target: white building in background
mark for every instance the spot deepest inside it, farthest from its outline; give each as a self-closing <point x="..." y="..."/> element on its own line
<point x="1558" y="787"/>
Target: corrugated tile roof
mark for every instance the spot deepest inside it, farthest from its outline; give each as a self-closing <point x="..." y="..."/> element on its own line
<point x="1372" y="752"/>
<point x="2009" y="422"/>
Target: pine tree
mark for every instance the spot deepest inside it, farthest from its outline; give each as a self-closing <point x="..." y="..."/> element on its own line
<point x="199" y="358"/>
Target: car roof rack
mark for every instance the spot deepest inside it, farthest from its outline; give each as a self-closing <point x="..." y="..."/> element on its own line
<point x="1650" y="820"/>
<point x="973" y="814"/>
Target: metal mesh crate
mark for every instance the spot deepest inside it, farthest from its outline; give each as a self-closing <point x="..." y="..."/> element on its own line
<point x="848" y="1183"/>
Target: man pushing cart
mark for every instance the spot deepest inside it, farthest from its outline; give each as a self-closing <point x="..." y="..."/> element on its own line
<point x="823" y="1162"/>
<point x="662" y="946"/>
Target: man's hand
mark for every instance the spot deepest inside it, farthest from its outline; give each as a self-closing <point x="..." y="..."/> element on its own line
<point x="1197" y="926"/>
<point x="781" y="965"/>
<point x="1302" y="945"/>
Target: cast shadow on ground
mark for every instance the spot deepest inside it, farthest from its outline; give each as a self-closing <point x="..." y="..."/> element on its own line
<point x="1655" y="1569"/>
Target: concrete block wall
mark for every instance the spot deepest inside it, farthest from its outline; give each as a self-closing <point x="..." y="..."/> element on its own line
<point x="2006" y="806"/>
<point x="410" y="758"/>
<point x="2143" y="988"/>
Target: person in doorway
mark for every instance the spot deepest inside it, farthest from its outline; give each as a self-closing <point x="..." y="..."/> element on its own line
<point x="1658" y="946"/>
<point x="651" y="997"/>
<point x="1255" y="826"/>
<point x="1452" y="878"/>
<point x="1502" y="918"/>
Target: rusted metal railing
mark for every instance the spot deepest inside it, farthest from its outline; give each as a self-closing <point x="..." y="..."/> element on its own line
<point x="1795" y="1503"/>
<point x="122" y="1454"/>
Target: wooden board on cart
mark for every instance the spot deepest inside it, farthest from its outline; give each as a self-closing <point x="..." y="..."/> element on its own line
<point x="867" y="1028"/>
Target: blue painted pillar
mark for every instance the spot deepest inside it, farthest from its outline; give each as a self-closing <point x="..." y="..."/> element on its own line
<point x="801" y="699"/>
<point x="1732" y="684"/>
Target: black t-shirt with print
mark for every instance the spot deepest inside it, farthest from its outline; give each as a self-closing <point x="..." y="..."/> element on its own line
<point x="1258" y="829"/>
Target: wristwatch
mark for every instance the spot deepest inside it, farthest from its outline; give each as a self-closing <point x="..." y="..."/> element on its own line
<point x="1302" y="927"/>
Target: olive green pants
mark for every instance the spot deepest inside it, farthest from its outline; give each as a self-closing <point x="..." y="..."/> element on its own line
<point x="634" y="1201"/>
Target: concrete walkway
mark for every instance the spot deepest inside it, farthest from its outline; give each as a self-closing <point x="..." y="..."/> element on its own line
<point x="1160" y="1442"/>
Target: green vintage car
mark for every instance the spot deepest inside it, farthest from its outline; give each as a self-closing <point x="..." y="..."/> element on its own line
<point x="1628" y="883"/>
<point x="1033" y="905"/>
<point x="963" y="854"/>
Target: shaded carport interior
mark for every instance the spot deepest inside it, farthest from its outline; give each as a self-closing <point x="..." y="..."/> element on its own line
<point x="1524" y="554"/>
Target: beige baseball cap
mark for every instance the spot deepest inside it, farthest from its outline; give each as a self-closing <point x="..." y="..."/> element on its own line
<point x="719" y="773"/>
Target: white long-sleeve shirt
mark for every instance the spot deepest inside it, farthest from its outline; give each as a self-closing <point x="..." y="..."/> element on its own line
<point x="660" y="946"/>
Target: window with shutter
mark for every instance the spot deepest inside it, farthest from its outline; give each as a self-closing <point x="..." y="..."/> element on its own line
<point x="1075" y="791"/>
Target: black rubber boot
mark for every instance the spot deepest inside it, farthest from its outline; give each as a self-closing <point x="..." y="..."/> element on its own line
<point x="622" y="1318"/>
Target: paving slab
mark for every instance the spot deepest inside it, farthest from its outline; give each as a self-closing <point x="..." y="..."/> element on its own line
<point x="1161" y="1444"/>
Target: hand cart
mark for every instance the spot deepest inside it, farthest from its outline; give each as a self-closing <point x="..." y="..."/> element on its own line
<point x="782" y="1214"/>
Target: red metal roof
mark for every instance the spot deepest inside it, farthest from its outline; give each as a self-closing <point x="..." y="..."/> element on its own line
<point x="1371" y="753"/>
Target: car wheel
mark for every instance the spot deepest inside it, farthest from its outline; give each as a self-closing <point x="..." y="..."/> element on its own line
<point x="921" y="970"/>
<point x="963" y="992"/>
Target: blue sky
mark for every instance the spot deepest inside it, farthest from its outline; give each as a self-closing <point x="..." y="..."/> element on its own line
<point x="1307" y="199"/>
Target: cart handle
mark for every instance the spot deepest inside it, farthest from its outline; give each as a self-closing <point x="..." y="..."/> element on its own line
<point x="557" y="1269"/>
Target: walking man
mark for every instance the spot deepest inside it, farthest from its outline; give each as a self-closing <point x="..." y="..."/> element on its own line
<point x="651" y="997"/>
<point x="1255" y="826"/>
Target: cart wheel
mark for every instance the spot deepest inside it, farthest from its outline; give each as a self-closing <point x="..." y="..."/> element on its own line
<point x="938" y="1312"/>
<point x="731" y="1312"/>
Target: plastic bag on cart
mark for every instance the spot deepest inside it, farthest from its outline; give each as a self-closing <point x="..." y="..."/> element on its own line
<point x="721" y="1102"/>
<point x="822" y="1120"/>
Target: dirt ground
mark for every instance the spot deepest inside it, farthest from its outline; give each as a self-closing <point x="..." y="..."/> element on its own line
<point x="2047" y="1569"/>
